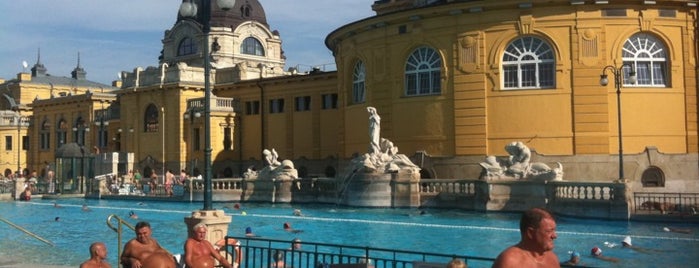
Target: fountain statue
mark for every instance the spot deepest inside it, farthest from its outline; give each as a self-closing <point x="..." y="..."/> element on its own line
<point x="381" y="177"/>
<point x="274" y="170"/>
<point x="517" y="166"/>
<point x="383" y="155"/>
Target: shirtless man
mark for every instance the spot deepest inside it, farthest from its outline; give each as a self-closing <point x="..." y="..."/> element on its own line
<point x="98" y="254"/>
<point x="535" y="249"/>
<point x="144" y="251"/>
<point x="199" y="253"/>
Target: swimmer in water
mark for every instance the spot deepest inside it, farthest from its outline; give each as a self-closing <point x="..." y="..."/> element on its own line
<point x="133" y="215"/>
<point x="249" y="233"/>
<point x="297" y="212"/>
<point x="85" y="208"/>
<point x="287" y="227"/>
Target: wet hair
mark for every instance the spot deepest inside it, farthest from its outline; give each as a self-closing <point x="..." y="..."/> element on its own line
<point x="142" y="224"/>
<point x="532" y="218"/>
<point x="457" y="263"/>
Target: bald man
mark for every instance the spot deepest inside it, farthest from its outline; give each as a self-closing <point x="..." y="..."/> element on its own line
<point x="98" y="255"/>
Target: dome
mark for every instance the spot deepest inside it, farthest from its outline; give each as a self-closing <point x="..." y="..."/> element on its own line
<point x="71" y="150"/>
<point x="244" y="10"/>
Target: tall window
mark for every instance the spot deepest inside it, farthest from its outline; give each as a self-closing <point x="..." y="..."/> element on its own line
<point x="358" y="85"/>
<point x="252" y="107"/>
<point x="252" y="46"/>
<point x="8" y="143"/>
<point x="197" y="140"/>
<point x="528" y="63"/>
<point x="648" y="55"/>
<point x="329" y="101"/>
<point x="61" y="133"/>
<point x="228" y="138"/>
<point x="45" y="136"/>
<point x="150" y="119"/>
<point x="276" y="106"/>
<point x="187" y="47"/>
<point x="423" y="72"/>
<point x="80" y="130"/>
<point x="303" y="103"/>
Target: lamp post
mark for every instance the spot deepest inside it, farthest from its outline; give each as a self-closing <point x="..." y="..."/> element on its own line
<point x="619" y="80"/>
<point x="189" y="9"/>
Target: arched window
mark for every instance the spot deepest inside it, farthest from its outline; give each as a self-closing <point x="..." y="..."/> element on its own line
<point x="423" y="72"/>
<point x="653" y="177"/>
<point x="187" y="47"/>
<point x="245" y="11"/>
<point x="252" y="46"/>
<point x="528" y="63"/>
<point x="61" y="133"/>
<point x="80" y="130"/>
<point x="358" y="85"/>
<point x="45" y="135"/>
<point x="648" y="55"/>
<point x="150" y="119"/>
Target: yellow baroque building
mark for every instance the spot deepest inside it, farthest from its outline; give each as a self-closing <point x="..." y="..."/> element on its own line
<point x="453" y="81"/>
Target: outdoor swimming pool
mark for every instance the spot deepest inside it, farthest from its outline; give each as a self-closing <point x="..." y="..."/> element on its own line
<point x="439" y="231"/>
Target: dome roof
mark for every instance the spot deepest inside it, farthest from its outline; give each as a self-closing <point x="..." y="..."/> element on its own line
<point x="71" y="150"/>
<point x="244" y="10"/>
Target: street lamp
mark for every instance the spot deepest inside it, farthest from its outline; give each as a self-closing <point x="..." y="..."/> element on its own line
<point x="619" y="79"/>
<point x="102" y="140"/>
<point x="189" y="9"/>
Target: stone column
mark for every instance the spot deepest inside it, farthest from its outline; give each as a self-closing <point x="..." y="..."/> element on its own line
<point x="216" y="223"/>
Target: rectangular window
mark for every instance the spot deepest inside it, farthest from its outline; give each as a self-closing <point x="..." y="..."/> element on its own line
<point x="252" y="107"/>
<point x="25" y="143"/>
<point x="329" y="101"/>
<point x="667" y="13"/>
<point x="614" y="12"/>
<point x="358" y="92"/>
<point x="276" y="106"/>
<point x="303" y="103"/>
<point x="8" y="143"/>
<point x="196" y="141"/>
<point x="45" y="141"/>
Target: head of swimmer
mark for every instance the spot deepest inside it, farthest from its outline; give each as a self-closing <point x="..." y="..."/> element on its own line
<point x="199" y="232"/>
<point x="143" y="232"/>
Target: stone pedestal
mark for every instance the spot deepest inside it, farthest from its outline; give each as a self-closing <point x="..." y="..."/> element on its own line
<point x="516" y="195"/>
<point x="381" y="190"/>
<point x="216" y="223"/>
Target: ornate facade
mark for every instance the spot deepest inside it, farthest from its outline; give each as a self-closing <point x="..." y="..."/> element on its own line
<point x="454" y="81"/>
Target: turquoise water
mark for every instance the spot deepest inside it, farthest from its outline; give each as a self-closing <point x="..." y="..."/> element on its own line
<point x="439" y="231"/>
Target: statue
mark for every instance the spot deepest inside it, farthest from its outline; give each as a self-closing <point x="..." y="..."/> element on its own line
<point x="517" y="166"/>
<point x="383" y="155"/>
<point x="274" y="168"/>
<point x="374" y="130"/>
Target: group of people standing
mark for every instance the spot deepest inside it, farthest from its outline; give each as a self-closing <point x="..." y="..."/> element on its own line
<point x="145" y="252"/>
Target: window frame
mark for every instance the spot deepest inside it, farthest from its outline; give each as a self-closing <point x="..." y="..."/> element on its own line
<point x="252" y="46"/>
<point x="652" y="69"/>
<point x="423" y="72"/>
<point x="359" y="83"/>
<point x="525" y="62"/>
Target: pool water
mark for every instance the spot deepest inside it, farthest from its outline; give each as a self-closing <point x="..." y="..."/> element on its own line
<point x="438" y="231"/>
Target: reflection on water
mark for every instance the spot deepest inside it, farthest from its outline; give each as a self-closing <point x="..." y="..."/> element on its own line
<point x="439" y="231"/>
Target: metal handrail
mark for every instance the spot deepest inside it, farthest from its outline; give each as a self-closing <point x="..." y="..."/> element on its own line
<point x="119" y="229"/>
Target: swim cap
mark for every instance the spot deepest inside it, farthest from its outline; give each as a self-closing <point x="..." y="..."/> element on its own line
<point x="248" y="230"/>
<point x="596" y="251"/>
<point x="287" y="225"/>
<point x="627" y="240"/>
<point x="666" y="229"/>
<point x="575" y="254"/>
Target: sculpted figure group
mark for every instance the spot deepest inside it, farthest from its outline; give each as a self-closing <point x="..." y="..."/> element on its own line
<point x="518" y="166"/>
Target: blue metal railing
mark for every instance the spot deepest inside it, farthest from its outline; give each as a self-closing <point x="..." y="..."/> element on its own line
<point x="261" y="252"/>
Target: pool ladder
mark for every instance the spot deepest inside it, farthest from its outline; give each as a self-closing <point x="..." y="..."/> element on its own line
<point x="119" y="230"/>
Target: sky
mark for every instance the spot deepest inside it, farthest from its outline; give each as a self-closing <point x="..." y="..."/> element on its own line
<point x="120" y="35"/>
